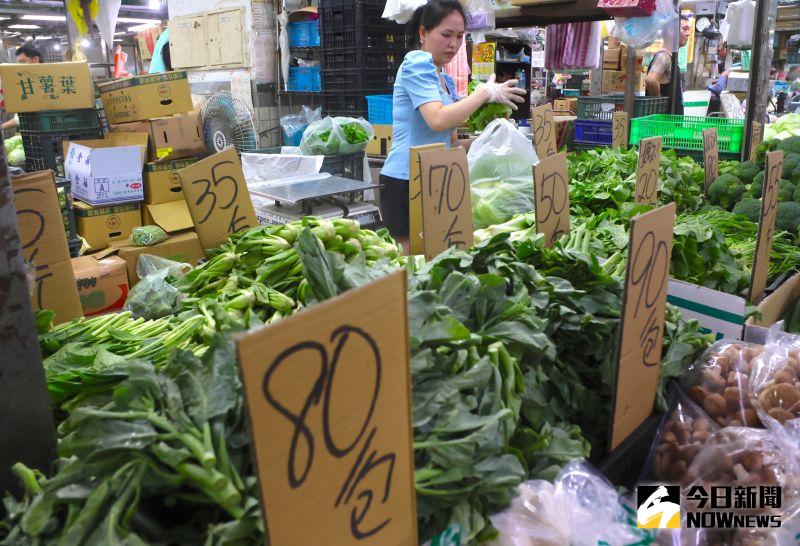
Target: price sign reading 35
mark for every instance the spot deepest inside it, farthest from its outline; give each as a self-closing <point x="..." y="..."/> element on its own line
<point x="766" y="225"/>
<point x="551" y="197"/>
<point x="544" y="130"/>
<point x="647" y="169"/>
<point x="619" y="128"/>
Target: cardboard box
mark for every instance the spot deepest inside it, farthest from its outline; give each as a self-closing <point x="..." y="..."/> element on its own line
<point x="46" y="86"/>
<point x="184" y="247"/>
<point x="612" y="59"/>
<point x="102" y="173"/>
<point x="146" y="97"/>
<point x="172" y="217"/>
<point x="381" y="143"/>
<point x="162" y="183"/>
<point x="613" y="42"/>
<point x="565" y="106"/>
<point x="614" y="81"/>
<point x="172" y="137"/>
<point x="44" y="244"/>
<point x="772" y="309"/>
<point x="100" y="225"/>
<point x="102" y="283"/>
<point x="719" y="313"/>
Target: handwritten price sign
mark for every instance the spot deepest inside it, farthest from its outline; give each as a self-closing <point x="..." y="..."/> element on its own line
<point x="766" y="225"/>
<point x="544" y="130"/>
<point x="218" y="199"/>
<point x="619" y="128"/>
<point x="642" y="324"/>
<point x="415" y="244"/>
<point x="710" y="156"/>
<point x="329" y="396"/>
<point x="756" y="139"/>
<point x="551" y="197"/>
<point x="446" y="201"/>
<point x="647" y="168"/>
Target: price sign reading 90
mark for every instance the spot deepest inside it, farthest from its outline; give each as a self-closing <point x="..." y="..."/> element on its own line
<point x="544" y="130"/>
<point x="329" y="397"/>
<point x="647" y="169"/>
<point x="218" y="199"/>
<point x="551" y="197"/>
<point x="446" y="200"/>
<point x="642" y="323"/>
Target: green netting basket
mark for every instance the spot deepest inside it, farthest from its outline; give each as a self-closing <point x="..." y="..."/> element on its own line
<point x="603" y="106"/>
<point x="686" y="132"/>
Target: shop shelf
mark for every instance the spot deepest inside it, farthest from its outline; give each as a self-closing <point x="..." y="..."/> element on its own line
<point x="686" y="132"/>
<point x="344" y="104"/>
<point x="602" y="107"/>
<point x="59" y="120"/>
<point x="43" y="150"/>
<point x="370" y="58"/>
<point x="303" y="33"/>
<point x="379" y="109"/>
<point x="344" y="165"/>
<point x="305" y="78"/>
<point x="358" y="80"/>
<point x="589" y="132"/>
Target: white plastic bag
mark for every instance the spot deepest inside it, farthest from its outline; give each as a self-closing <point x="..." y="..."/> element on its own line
<point x="296" y="123"/>
<point x="401" y="11"/>
<point x="579" y="508"/>
<point x="640" y="32"/>
<point x="501" y="164"/>
<point x="328" y="136"/>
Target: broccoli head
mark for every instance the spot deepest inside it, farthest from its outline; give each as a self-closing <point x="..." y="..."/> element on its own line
<point x="790" y="145"/>
<point x="749" y="207"/>
<point x="746" y="171"/>
<point x="791" y="167"/>
<point x="786" y="191"/>
<point x="787" y="217"/>
<point x="725" y="191"/>
<point x="758" y="184"/>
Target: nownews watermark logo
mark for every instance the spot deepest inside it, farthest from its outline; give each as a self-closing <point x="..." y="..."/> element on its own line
<point x="714" y="507"/>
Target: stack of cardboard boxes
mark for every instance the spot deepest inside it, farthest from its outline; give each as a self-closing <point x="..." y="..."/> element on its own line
<point x="615" y="69"/>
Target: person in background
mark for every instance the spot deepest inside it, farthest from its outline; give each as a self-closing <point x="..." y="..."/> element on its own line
<point x="659" y="74"/>
<point x="426" y="109"/>
<point x="26" y="54"/>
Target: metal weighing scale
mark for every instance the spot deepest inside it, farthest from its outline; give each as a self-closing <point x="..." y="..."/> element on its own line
<point x="330" y="197"/>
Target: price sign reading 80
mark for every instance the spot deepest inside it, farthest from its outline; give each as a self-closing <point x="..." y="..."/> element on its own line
<point x="551" y="197"/>
<point x="647" y="169"/>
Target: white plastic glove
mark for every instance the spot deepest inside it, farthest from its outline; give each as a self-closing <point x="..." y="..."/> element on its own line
<point x="505" y="93"/>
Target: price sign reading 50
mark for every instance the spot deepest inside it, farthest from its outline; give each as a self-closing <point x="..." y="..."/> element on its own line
<point x="329" y="397"/>
<point x="551" y="197"/>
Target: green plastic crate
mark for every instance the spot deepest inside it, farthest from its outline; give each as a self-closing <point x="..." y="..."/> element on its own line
<point x="686" y="132"/>
<point x="599" y="107"/>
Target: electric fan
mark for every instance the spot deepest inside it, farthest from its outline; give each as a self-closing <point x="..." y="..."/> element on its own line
<point x="228" y="121"/>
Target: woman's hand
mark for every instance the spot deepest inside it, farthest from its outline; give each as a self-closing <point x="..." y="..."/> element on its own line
<point x="505" y="93"/>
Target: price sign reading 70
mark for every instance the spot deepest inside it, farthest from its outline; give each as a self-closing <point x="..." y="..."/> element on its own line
<point x="551" y="197"/>
<point x="446" y="200"/>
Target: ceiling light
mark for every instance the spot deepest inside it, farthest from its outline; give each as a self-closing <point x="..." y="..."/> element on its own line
<point x="44" y="17"/>
<point x="121" y="32"/>
<point x="57" y="47"/>
<point x="154" y="4"/>
<point x="139" y="28"/>
<point x="84" y="43"/>
<point x="24" y="26"/>
<point x="135" y="20"/>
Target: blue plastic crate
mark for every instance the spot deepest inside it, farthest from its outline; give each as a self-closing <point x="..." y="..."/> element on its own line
<point x="304" y="78"/>
<point x="379" y="109"/>
<point x="303" y="33"/>
<point x="594" y="132"/>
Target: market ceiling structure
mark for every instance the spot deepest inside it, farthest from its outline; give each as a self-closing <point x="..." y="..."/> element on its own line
<point x="46" y="18"/>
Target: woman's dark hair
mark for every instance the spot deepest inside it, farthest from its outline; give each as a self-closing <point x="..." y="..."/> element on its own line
<point x="431" y="15"/>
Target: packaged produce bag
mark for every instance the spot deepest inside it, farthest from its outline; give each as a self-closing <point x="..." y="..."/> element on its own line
<point x="775" y="380"/>
<point x="719" y="382"/>
<point x="154" y="296"/>
<point x="334" y="136"/>
<point x="501" y="164"/>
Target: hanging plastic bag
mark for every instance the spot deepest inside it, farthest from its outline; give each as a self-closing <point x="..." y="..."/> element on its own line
<point x="682" y="434"/>
<point x="401" y="11"/>
<point x="579" y="508"/>
<point x="775" y="379"/>
<point x="154" y="296"/>
<point x="293" y="125"/>
<point x="334" y="136"/>
<point x="501" y="174"/>
<point x="719" y="382"/>
<point x="640" y="32"/>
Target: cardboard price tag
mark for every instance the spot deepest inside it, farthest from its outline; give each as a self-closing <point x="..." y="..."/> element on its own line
<point x="641" y="332"/>
<point x="544" y="130"/>
<point x="415" y="246"/>
<point x="710" y="156"/>
<point x="551" y="197"/>
<point x="766" y="225"/>
<point x="446" y="201"/>
<point x="756" y="138"/>
<point x="218" y="199"/>
<point x="619" y="128"/>
<point x="328" y="392"/>
<point x="647" y="169"/>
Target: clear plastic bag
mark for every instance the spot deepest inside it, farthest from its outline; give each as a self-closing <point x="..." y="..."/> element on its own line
<point x="293" y="125"/>
<point x="154" y="296"/>
<point x="640" y="32"/>
<point x="334" y="136"/>
<point x="719" y="382"/>
<point x="147" y="236"/>
<point x="579" y="508"/>
<point x="682" y="434"/>
<point x="501" y="174"/>
<point x="775" y="381"/>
